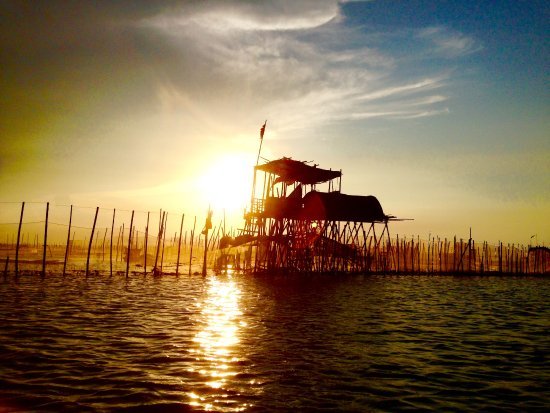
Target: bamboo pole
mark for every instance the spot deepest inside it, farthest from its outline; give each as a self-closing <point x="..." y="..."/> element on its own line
<point x="500" y="257"/>
<point x="129" y="245"/>
<point x="68" y="240"/>
<point x="179" y="245"/>
<point x="159" y="239"/>
<point x="145" y="246"/>
<point x="118" y="242"/>
<point x="412" y="253"/>
<point x="111" y="245"/>
<point x="45" y="240"/>
<point x="205" y="250"/>
<point x="103" y="246"/>
<point x="191" y="242"/>
<point x="419" y="251"/>
<point x="18" y="239"/>
<point x="122" y="243"/>
<point x="91" y="240"/>
<point x="163" y="240"/>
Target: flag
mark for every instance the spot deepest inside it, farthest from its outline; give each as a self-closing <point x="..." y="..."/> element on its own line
<point x="262" y="131"/>
<point x="208" y="223"/>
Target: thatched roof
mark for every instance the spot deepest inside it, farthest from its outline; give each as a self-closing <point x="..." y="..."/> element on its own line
<point x="290" y="171"/>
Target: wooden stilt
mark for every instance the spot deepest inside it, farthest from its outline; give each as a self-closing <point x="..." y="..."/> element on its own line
<point x="68" y="241"/>
<point x="163" y="239"/>
<point x="129" y="245"/>
<point x="145" y="247"/>
<point x="179" y="245"/>
<point x="111" y="245"/>
<point x="191" y="244"/>
<point x="45" y="240"/>
<point x="18" y="238"/>
<point x="91" y="240"/>
<point x="159" y="241"/>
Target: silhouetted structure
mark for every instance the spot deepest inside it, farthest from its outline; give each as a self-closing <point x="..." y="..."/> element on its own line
<point x="294" y="227"/>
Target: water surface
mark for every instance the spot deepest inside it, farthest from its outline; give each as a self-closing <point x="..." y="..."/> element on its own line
<point x="308" y="343"/>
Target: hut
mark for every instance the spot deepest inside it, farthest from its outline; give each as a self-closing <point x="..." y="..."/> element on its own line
<point x="299" y="221"/>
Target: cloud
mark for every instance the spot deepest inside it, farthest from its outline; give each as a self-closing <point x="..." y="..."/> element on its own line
<point x="308" y="71"/>
<point x="246" y="16"/>
<point x="74" y="70"/>
<point x="447" y="43"/>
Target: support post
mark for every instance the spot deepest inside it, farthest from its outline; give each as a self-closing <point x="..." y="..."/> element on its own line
<point x="18" y="239"/>
<point x="179" y="245"/>
<point x="192" y="236"/>
<point x="103" y="246"/>
<point x="145" y="246"/>
<point x="129" y="245"/>
<point x="163" y="240"/>
<point x="159" y="239"/>
<point x="68" y="240"/>
<point x="207" y="227"/>
<point x="45" y="240"/>
<point x="91" y="240"/>
<point x="111" y="245"/>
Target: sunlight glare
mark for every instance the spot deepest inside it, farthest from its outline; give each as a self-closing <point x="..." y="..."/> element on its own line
<point x="226" y="184"/>
<point x="216" y="341"/>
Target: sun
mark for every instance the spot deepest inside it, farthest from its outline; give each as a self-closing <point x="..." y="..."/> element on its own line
<point x="227" y="182"/>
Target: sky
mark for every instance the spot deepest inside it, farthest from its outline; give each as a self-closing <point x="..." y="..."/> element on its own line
<point x="439" y="109"/>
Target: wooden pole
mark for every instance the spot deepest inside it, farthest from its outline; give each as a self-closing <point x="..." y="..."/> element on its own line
<point x="163" y="239"/>
<point x="454" y="254"/>
<point x="412" y="254"/>
<point x="111" y="245"/>
<point x="500" y="257"/>
<point x="145" y="247"/>
<point x="192" y="236"/>
<point x="68" y="241"/>
<point x="91" y="240"/>
<point x="122" y="243"/>
<point x="207" y="227"/>
<point x="205" y="252"/>
<point x="45" y="240"/>
<point x="129" y="245"/>
<point x="18" y="239"/>
<point x="179" y="245"/>
<point x="159" y="239"/>
<point x="103" y="245"/>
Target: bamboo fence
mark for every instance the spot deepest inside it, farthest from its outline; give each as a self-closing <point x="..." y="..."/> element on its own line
<point x="68" y="239"/>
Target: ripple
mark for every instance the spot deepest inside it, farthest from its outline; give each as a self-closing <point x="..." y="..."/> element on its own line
<point x="232" y="343"/>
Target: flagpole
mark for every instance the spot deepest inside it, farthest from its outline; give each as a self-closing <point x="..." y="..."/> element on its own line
<point x="262" y="131"/>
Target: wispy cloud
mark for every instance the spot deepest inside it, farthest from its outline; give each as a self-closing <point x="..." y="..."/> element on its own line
<point x="221" y="63"/>
<point x="447" y="43"/>
<point x="249" y="16"/>
<point x="296" y="65"/>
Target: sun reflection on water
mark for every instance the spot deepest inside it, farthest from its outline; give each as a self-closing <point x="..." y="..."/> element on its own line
<point x="215" y="353"/>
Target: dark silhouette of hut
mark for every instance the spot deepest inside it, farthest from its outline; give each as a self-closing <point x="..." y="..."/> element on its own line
<point x="292" y="226"/>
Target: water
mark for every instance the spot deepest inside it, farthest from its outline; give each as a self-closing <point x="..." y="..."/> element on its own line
<point x="308" y="343"/>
